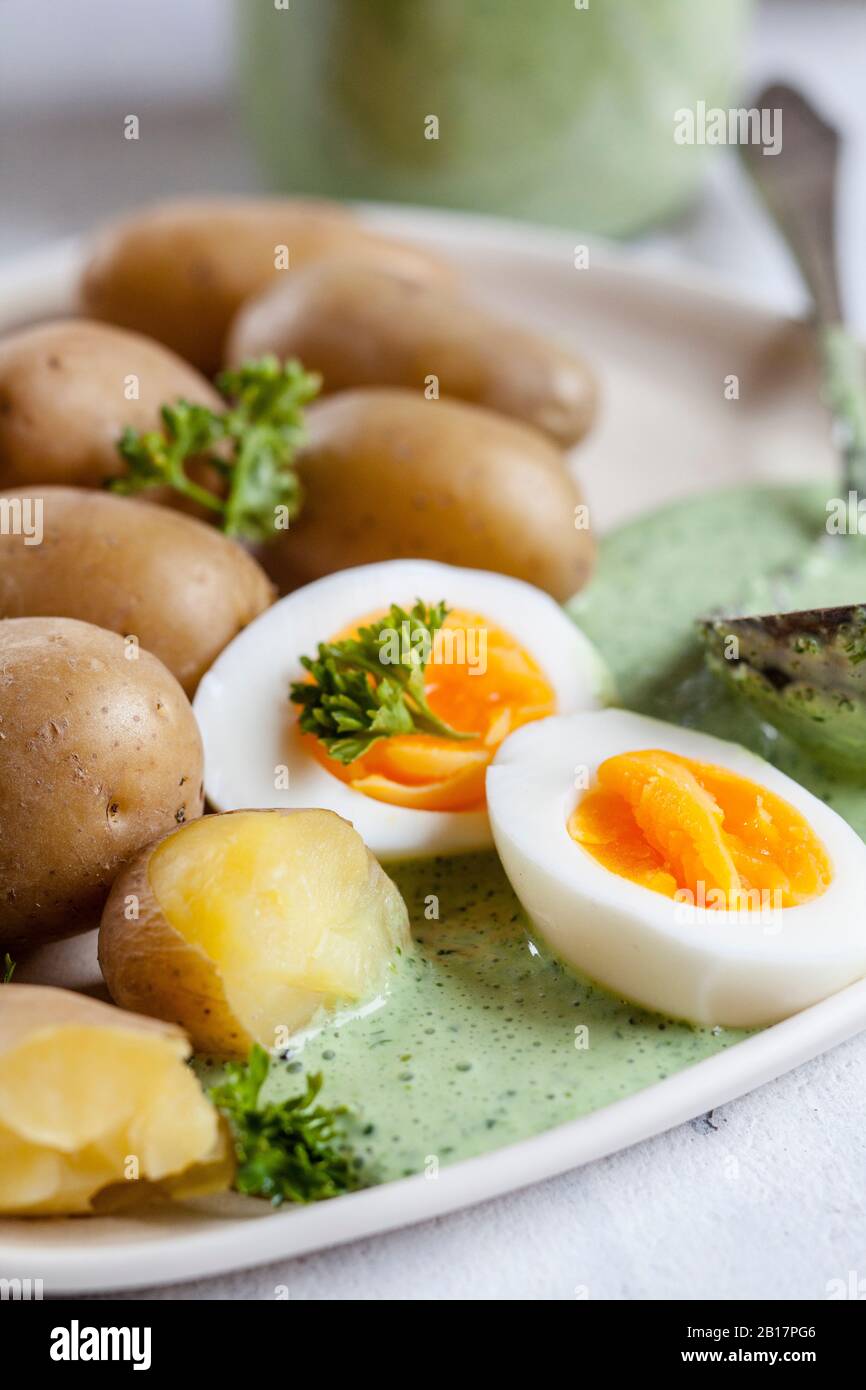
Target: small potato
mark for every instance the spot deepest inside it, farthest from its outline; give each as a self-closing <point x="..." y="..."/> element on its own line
<point x="99" y="754"/>
<point x="180" y="271"/>
<point x="250" y="925"/>
<point x="388" y="474"/>
<point x="181" y="588"/>
<point x="84" y="1088"/>
<point x="63" y="400"/>
<point x="363" y="325"/>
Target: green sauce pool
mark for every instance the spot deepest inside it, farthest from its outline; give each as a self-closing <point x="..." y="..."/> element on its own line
<point x="726" y="552"/>
<point x="482" y="1040"/>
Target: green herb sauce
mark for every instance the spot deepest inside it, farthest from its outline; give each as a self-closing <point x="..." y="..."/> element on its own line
<point x="753" y="550"/>
<point x="479" y="1041"/>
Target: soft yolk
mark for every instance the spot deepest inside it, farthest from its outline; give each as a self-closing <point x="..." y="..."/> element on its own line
<point x="675" y="825"/>
<point x="479" y="680"/>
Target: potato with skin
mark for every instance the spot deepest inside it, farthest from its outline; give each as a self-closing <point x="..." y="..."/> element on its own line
<point x="179" y="271"/>
<point x="363" y="325"/>
<point x="84" y="1087"/>
<point x="99" y="754"/>
<point x="63" y="400"/>
<point x="180" y="587"/>
<point x="250" y="926"/>
<point x="388" y="474"/>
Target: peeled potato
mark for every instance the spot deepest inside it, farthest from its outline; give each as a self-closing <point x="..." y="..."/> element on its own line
<point x="247" y="927"/>
<point x="90" y="1098"/>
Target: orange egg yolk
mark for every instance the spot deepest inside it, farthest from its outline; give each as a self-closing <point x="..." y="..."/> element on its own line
<point x="699" y="832"/>
<point x="478" y="680"/>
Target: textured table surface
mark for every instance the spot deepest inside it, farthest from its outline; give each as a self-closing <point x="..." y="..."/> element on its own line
<point x="767" y="1197"/>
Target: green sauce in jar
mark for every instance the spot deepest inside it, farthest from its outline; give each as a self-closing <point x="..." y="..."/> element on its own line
<point x="545" y="109"/>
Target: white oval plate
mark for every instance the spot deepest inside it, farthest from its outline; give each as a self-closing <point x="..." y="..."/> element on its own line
<point x="664" y="347"/>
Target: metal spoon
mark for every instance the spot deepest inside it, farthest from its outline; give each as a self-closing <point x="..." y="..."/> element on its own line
<point x="804" y="670"/>
<point x="799" y="188"/>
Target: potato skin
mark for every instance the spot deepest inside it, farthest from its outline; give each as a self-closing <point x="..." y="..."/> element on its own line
<point x="179" y="271"/>
<point x="390" y="474"/>
<point x="362" y="325"/>
<point x="98" y="756"/>
<point x="62" y="402"/>
<point x="182" y="588"/>
<point x="150" y="969"/>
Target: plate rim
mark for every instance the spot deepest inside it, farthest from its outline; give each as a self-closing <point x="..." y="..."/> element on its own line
<point x="46" y="272"/>
<point x="216" y="1249"/>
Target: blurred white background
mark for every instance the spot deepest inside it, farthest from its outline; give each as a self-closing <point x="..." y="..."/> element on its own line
<point x="70" y="70"/>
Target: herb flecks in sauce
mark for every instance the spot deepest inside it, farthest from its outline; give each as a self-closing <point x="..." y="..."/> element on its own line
<point x="709" y="554"/>
<point x="804" y="672"/>
<point x="477" y="1044"/>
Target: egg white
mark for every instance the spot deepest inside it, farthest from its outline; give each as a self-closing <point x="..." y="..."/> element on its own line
<point x="250" y="728"/>
<point x="737" y="969"/>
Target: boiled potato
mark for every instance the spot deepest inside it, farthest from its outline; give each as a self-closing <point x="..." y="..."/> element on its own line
<point x="246" y="927"/>
<point x="180" y="271"/>
<point x="389" y="474"/>
<point x="181" y="588"/>
<point x="98" y="1107"/>
<point x="363" y="325"/>
<point x="63" y="399"/>
<point x="99" y="754"/>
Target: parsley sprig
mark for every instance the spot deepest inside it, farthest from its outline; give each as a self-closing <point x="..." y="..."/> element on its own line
<point x="287" y="1151"/>
<point x="360" y="693"/>
<point x="251" y="445"/>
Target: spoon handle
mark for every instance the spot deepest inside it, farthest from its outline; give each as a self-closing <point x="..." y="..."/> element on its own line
<point x="798" y="185"/>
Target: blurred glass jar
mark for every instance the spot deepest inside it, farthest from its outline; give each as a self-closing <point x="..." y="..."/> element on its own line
<point x="545" y="110"/>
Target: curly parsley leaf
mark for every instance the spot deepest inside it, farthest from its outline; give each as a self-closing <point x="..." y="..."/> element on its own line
<point x="372" y="686"/>
<point x="251" y="445"/>
<point x="287" y="1151"/>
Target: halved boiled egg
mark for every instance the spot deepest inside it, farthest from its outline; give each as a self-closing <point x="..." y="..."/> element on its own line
<point x="505" y="655"/>
<point x="678" y="869"/>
